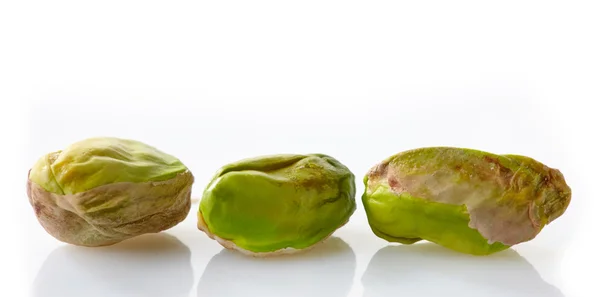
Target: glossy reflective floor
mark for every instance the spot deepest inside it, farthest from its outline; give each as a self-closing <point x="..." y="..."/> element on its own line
<point x="183" y="262"/>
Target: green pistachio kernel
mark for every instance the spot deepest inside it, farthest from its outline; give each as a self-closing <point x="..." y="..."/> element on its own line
<point x="278" y="203"/>
<point x="467" y="200"/>
<point x="100" y="191"/>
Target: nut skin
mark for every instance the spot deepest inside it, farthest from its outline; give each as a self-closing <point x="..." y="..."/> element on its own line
<point x="467" y="200"/>
<point x="277" y="204"/>
<point x="101" y="191"/>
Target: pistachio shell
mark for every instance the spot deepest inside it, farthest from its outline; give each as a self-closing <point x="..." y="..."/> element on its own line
<point x="277" y="204"/>
<point x="101" y="191"/>
<point x="466" y="200"/>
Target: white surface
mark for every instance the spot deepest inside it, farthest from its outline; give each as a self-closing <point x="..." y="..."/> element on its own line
<point x="215" y="82"/>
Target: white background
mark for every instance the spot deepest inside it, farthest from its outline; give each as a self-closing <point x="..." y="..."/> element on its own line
<point x="215" y="81"/>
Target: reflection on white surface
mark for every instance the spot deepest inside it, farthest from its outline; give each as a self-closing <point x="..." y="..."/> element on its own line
<point x="146" y="266"/>
<point x="429" y="270"/>
<point x="326" y="270"/>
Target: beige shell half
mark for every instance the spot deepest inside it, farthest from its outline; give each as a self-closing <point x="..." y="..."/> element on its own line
<point x="112" y="213"/>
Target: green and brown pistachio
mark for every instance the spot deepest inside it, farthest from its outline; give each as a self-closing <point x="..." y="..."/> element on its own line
<point x="277" y="204"/>
<point x="100" y="191"/>
<point x="467" y="200"/>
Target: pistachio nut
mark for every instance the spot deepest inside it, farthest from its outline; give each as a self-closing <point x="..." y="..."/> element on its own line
<point x="467" y="200"/>
<point x="100" y="191"/>
<point x="277" y="204"/>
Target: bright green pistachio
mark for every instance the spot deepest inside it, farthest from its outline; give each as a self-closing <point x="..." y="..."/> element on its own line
<point x="103" y="190"/>
<point x="466" y="200"/>
<point x="277" y="203"/>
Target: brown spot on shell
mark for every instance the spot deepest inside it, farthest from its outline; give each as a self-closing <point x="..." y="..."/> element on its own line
<point x="393" y="182"/>
<point x="499" y="172"/>
<point x="37" y="208"/>
<point x="382" y="172"/>
<point x="379" y="171"/>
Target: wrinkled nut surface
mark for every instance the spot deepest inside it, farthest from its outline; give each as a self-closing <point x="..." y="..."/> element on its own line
<point x="277" y="204"/>
<point x="101" y="191"/>
<point x="466" y="200"/>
